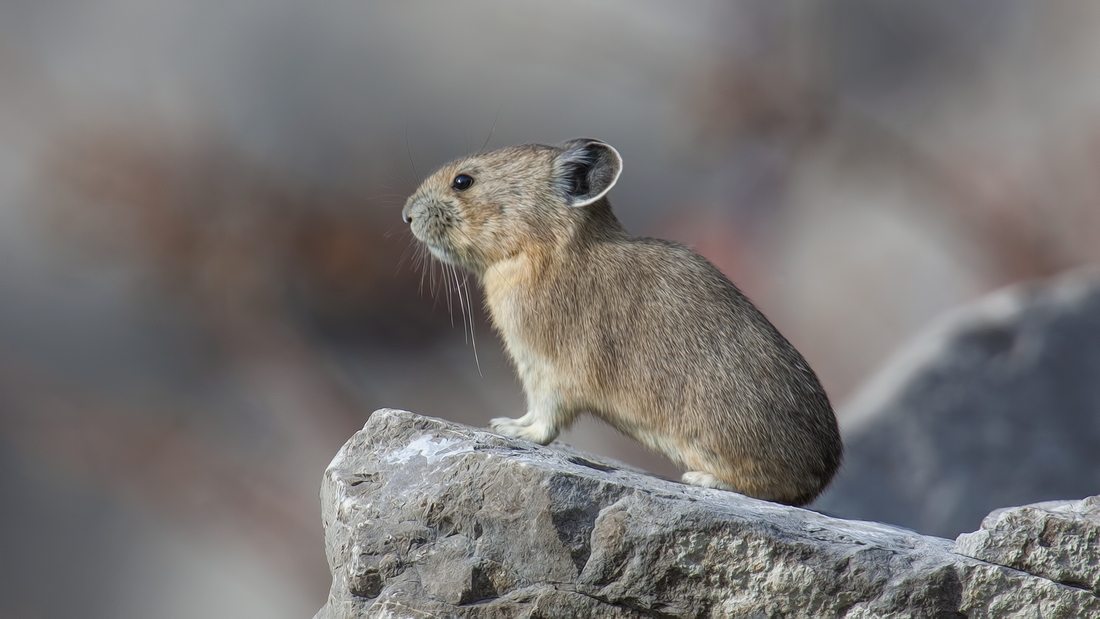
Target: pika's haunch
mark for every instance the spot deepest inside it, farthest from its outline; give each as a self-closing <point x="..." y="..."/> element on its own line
<point x="643" y="333"/>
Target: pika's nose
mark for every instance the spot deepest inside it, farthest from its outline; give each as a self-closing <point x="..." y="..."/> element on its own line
<point x="413" y="209"/>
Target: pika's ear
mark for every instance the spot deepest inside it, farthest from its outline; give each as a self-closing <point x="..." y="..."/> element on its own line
<point x="586" y="170"/>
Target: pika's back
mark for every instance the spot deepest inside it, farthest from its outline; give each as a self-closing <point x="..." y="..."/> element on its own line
<point x="716" y="372"/>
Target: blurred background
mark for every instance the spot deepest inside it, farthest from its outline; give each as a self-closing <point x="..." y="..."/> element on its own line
<point x="206" y="286"/>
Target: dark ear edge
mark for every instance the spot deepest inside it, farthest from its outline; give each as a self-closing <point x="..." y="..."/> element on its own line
<point x="586" y="170"/>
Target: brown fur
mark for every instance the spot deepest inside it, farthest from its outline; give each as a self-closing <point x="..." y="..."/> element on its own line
<point x="643" y="333"/>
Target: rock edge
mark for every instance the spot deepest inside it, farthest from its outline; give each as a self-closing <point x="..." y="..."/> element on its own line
<point x="427" y="518"/>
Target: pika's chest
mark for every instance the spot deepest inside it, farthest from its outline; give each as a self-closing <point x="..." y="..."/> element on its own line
<point x="536" y="362"/>
<point x="528" y="320"/>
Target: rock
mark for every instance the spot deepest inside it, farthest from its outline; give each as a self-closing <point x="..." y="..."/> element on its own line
<point x="426" y="518"/>
<point x="995" y="404"/>
<point x="1059" y="540"/>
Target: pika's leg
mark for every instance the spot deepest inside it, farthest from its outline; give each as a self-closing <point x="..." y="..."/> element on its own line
<point x="706" y="480"/>
<point x="533" y="426"/>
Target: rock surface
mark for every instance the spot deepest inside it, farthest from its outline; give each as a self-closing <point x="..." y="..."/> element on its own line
<point x="425" y="518"/>
<point x="1059" y="540"/>
<point x="996" y="404"/>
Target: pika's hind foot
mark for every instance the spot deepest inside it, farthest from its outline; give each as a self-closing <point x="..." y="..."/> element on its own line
<point x="706" y="480"/>
<point x="526" y="427"/>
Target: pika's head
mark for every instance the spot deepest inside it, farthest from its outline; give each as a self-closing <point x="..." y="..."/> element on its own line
<point x="491" y="206"/>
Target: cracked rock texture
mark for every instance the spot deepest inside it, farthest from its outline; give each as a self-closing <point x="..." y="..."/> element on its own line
<point x="425" y="518"/>
<point x="1056" y="539"/>
<point x="996" y="404"/>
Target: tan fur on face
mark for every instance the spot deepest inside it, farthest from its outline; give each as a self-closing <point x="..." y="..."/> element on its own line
<point x="643" y="333"/>
<point x="502" y="215"/>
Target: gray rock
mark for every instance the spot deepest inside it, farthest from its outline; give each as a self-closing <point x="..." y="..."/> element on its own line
<point x="996" y="404"/>
<point x="1059" y="540"/>
<point x="426" y="518"/>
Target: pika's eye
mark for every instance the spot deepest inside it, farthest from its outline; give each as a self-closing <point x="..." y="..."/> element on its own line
<point x="462" y="182"/>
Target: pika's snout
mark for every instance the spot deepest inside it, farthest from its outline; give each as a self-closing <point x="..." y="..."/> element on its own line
<point x="423" y="219"/>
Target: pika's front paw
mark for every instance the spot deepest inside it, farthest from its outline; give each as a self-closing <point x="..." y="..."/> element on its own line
<point x="706" y="480"/>
<point x="536" y="431"/>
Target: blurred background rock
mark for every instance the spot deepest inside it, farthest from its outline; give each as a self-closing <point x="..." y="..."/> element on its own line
<point x="205" y="284"/>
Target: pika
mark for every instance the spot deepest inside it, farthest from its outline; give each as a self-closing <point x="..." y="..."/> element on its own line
<point x="643" y="333"/>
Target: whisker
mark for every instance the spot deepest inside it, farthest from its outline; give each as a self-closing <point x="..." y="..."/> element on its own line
<point x="461" y="302"/>
<point x="408" y="149"/>
<point x="410" y="249"/>
<point x="433" y="284"/>
<point x="438" y="282"/>
<point x="466" y="305"/>
<point x="398" y="177"/>
<point x="491" y="129"/>
<point x="423" y="267"/>
<point x="450" y="301"/>
<point x="393" y="230"/>
<point x="470" y="310"/>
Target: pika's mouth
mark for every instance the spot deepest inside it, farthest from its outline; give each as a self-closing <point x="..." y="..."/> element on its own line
<point x="443" y="253"/>
<point x="431" y="242"/>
